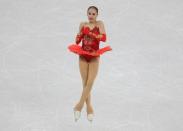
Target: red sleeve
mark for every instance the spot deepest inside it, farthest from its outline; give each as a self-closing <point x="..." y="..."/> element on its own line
<point x="79" y="37"/>
<point x="103" y="37"/>
<point x="99" y="37"/>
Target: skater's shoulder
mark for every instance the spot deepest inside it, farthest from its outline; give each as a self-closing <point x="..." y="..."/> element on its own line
<point x="83" y="23"/>
<point x="100" y="22"/>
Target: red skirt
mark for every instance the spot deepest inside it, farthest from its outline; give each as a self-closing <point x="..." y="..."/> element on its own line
<point x="79" y="50"/>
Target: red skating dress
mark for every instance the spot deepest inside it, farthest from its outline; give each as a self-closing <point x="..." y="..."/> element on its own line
<point x="90" y="45"/>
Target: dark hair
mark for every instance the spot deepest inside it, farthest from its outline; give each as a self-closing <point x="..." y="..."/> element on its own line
<point x="94" y="7"/>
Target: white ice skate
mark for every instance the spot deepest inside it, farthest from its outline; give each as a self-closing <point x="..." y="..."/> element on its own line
<point x="90" y="117"/>
<point x="77" y="114"/>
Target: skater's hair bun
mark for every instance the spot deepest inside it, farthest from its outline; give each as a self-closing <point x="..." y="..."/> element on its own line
<point x="94" y="7"/>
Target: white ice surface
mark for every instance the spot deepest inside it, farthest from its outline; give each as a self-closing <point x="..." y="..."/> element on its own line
<point x="139" y="86"/>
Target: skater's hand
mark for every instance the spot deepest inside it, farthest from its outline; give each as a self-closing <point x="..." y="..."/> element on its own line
<point x="99" y="37"/>
<point x="78" y="38"/>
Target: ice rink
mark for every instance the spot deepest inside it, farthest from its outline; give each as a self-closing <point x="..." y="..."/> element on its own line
<point x="139" y="86"/>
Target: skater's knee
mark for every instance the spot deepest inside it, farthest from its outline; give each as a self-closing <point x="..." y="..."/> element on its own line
<point x="89" y="83"/>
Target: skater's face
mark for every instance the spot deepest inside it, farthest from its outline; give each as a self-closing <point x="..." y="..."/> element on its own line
<point x="92" y="14"/>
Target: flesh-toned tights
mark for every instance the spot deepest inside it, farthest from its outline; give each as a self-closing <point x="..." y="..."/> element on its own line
<point x="88" y="71"/>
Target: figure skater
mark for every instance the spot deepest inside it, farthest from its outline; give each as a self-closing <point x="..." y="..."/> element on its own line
<point x="91" y="33"/>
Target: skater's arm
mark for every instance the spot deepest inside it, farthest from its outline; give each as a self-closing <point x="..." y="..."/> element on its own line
<point x="102" y="28"/>
<point x="102" y="35"/>
<point x="80" y="27"/>
<point x="79" y="35"/>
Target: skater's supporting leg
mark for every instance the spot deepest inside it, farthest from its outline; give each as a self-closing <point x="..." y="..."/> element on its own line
<point x="93" y="70"/>
<point x="84" y="69"/>
<point x="83" y="66"/>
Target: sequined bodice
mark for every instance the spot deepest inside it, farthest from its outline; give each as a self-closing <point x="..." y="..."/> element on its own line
<point x="88" y="43"/>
